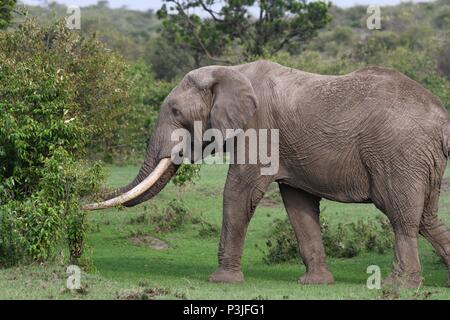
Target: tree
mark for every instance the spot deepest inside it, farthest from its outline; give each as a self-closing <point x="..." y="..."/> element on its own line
<point x="6" y="10"/>
<point x="278" y="24"/>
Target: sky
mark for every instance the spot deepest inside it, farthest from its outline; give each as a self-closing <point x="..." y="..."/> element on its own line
<point x="156" y="4"/>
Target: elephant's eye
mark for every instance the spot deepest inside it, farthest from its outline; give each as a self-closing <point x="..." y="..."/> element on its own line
<point x="176" y="112"/>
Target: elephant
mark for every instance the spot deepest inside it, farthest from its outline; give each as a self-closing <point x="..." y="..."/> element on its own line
<point x="370" y="136"/>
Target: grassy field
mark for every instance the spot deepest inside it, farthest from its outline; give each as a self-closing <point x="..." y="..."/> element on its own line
<point x="122" y="268"/>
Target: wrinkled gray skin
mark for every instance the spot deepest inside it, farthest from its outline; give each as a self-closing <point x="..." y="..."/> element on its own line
<point x="371" y="136"/>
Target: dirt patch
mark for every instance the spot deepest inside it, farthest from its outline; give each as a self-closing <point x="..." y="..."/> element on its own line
<point x="142" y="294"/>
<point x="149" y="241"/>
<point x="272" y="198"/>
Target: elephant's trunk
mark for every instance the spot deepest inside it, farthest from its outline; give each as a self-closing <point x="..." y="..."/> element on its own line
<point x="153" y="176"/>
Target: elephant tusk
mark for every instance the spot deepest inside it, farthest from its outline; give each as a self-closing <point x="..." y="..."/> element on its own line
<point x="141" y="188"/>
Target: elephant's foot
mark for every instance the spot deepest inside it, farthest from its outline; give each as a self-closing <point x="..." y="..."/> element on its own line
<point x="317" y="276"/>
<point x="226" y="276"/>
<point x="403" y="280"/>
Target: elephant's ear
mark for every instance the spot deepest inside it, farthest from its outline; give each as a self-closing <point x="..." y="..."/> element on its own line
<point x="234" y="101"/>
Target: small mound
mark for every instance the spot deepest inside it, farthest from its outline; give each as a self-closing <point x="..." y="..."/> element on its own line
<point x="149" y="241"/>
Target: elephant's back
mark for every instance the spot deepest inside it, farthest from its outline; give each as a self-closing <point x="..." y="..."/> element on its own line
<point x="401" y="93"/>
<point x="353" y="103"/>
<point x="349" y="126"/>
<point x="398" y="108"/>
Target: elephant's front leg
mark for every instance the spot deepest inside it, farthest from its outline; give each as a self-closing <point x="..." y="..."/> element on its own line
<point x="303" y="212"/>
<point x="243" y="190"/>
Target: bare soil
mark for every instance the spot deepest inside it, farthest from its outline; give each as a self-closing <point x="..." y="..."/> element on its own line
<point x="149" y="241"/>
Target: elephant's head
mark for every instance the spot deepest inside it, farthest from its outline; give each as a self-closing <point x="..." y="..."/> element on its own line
<point x="220" y="97"/>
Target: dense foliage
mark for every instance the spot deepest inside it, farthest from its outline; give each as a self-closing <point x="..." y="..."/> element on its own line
<point x="42" y="138"/>
<point x="6" y="10"/>
<point x="115" y="101"/>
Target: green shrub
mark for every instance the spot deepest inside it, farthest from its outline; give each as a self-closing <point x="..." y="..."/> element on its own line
<point x="349" y="240"/>
<point x="343" y="241"/>
<point x="96" y="80"/>
<point x="282" y="244"/>
<point x="172" y="218"/>
<point x="43" y="136"/>
<point x="36" y="227"/>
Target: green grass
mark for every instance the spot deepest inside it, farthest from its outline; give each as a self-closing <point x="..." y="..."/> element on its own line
<point x="122" y="269"/>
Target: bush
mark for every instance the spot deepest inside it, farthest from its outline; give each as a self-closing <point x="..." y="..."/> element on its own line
<point x="174" y="216"/>
<point x="43" y="136"/>
<point x="64" y="96"/>
<point x="96" y="79"/>
<point x="349" y="240"/>
<point x="342" y="241"/>
<point x="282" y="244"/>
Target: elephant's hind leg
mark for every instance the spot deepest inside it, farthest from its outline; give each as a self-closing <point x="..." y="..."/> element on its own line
<point x="432" y="228"/>
<point x="402" y="200"/>
<point x="303" y="212"/>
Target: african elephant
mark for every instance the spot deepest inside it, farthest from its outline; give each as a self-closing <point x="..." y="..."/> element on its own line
<point x="370" y="136"/>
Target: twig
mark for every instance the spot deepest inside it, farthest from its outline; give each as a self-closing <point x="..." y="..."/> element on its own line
<point x="210" y="11"/>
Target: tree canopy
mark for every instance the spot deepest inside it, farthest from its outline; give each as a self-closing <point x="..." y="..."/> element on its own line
<point x="277" y="25"/>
